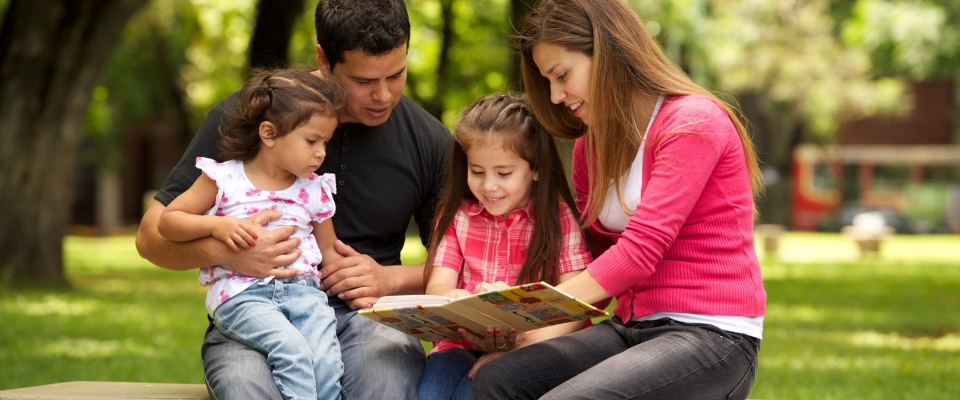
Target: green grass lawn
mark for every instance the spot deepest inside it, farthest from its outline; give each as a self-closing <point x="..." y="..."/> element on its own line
<point x="836" y="326"/>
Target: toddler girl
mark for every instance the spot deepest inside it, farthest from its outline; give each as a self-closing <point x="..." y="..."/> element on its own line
<point x="275" y="139"/>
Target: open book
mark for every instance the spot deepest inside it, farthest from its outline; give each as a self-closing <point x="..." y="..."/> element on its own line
<point x="524" y="307"/>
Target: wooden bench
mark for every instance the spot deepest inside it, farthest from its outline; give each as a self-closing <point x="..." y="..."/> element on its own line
<point x="108" y="391"/>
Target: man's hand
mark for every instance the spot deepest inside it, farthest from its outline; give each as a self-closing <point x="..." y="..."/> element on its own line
<point x="356" y="278"/>
<point x="275" y="248"/>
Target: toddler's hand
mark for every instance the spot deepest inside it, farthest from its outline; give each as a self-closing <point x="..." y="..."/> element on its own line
<point x="235" y="233"/>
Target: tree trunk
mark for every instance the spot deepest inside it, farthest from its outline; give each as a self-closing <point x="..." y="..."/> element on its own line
<point x="51" y="53"/>
<point x="774" y="136"/>
<point x="270" y="42"/>
<point x="518" y="14"/>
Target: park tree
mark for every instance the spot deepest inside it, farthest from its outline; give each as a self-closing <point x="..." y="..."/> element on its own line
<point x="59" y="114"/>
<point x="51" y="53"/>
<point x="270" y="42"/>
<point x="797" y="67"/>
<point x="460" y="50"/>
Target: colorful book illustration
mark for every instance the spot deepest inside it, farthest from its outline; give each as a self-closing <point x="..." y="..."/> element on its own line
<point x="524" y="307"/>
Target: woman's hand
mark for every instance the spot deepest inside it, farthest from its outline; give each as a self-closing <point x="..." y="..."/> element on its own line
<point x="496" y="339"/>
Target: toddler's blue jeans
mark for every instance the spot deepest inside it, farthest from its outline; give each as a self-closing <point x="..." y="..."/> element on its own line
<point x="291" y="322"/>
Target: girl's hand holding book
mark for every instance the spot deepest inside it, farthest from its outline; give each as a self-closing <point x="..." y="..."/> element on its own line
<point x="458" y="293"/>
<point x="497" y="339"/>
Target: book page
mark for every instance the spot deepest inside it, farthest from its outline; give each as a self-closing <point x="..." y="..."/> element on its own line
<point x="429" y="323"/>
<point x="530" y="306"/>
<point x="524" y="307"/>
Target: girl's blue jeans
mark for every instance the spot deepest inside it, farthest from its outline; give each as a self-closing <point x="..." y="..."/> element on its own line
<point x="659" y="359"/>
<point x="294" y="326"/>
<point x="445" y="375"/>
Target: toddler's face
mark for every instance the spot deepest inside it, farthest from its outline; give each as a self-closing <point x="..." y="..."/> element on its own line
<point x="305" y="147"/>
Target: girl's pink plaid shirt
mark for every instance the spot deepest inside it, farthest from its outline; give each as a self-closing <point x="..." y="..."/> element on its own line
<point x="493" y="248"/>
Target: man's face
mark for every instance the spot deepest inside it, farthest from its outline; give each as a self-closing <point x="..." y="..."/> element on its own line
<point x="373" y="84"/>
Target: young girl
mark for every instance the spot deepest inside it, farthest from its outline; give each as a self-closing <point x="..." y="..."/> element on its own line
<point x="502" y="220"/>
<point x="275" y="139"/>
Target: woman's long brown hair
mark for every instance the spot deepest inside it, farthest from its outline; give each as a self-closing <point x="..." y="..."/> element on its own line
<point x="629" y="72"/>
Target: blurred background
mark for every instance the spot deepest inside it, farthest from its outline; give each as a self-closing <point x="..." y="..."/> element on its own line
<point x="854" y="106"/>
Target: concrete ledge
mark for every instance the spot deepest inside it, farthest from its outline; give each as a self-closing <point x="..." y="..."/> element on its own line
<point x="109" y="390"/>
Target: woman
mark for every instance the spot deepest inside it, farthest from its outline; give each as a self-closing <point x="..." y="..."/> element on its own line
<point x="665" y="176"/>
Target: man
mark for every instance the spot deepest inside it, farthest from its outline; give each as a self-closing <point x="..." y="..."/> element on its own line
<point x="387" y="155"/>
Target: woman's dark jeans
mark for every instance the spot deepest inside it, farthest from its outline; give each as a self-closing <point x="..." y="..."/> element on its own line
<point x="659" y="359"/>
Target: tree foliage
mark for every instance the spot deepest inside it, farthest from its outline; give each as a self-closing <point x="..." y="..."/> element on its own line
<point x="460" y="50"/>
<point x="916" y="39"/>
<point x="797" y="67"/>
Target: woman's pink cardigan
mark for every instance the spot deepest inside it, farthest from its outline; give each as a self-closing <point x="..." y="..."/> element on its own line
<point x="688" y="247"/>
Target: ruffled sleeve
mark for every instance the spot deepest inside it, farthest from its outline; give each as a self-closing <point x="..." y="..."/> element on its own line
<point x="327" y="187"/>
<point x="211" y="168"/>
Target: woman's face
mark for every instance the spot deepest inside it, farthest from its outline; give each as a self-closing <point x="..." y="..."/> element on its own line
<point x="569" y="76"/>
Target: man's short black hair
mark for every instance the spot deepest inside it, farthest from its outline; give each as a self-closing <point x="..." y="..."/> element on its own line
<point x="374" y="26"/>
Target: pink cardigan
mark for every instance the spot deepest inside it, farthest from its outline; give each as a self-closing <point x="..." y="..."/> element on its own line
<point x="688" y="247"/>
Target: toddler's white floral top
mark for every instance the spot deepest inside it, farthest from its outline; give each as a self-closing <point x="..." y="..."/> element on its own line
<point x="305" y="201"/>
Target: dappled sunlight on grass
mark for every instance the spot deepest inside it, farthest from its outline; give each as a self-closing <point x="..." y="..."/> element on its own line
<point x="949" y="342"/>
<point x="851" y="364"/>
<point x="846" y="328"/>
<point x="800" y="313"/>
<point x="48" y="306"/>
<point x="101" y="254"/>
<point x="85" y="348"/>
<point x="123" y="319"/>
<point x="810" y="247"/>
<point x="837" y="327"/>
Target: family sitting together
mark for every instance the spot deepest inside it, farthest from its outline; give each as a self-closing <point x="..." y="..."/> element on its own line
<point x="293" y="201"/>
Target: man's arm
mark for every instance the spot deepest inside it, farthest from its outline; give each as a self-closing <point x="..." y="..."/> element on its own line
<point x="260" y="261"/>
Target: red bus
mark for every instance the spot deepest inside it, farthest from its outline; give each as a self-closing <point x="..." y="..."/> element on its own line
<point x="917" y="187"/>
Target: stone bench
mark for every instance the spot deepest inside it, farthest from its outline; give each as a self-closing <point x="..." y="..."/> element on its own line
<point x="770" y="237"/>
<point x="82" y="390"/>
<point x="868" y="230"/>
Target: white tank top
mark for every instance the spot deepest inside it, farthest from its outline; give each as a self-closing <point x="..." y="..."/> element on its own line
<point x="612" y="216"/>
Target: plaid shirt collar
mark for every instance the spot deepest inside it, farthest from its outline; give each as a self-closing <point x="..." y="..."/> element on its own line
<point x="476" y="208"/>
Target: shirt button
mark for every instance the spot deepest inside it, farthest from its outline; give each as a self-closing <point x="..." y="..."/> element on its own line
<point x="343" y="167"/>
<point x="346" y="133"/>
<point x="338" y="198"/>
<point x="340" y="183"/>
<point x="344" y="149"/>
